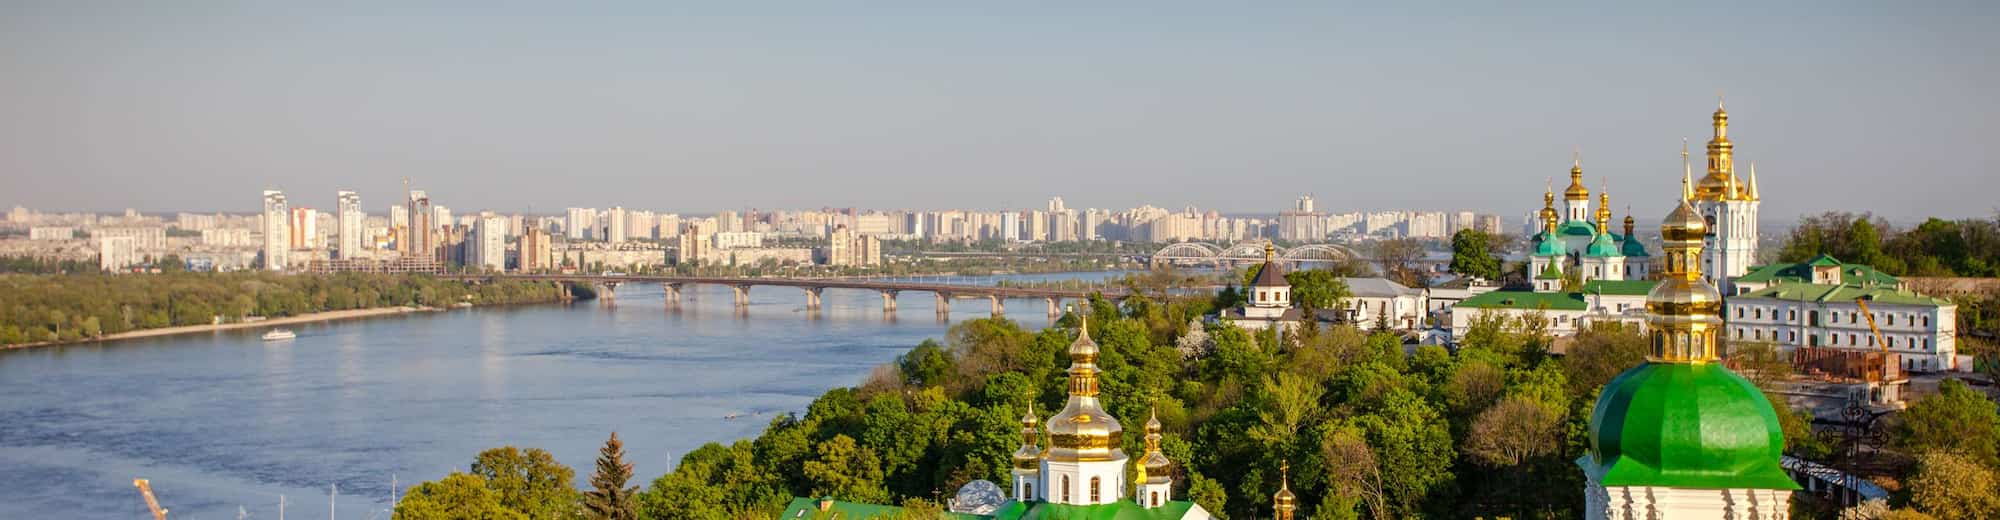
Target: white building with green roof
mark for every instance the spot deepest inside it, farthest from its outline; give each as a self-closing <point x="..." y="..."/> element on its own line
<point x="1576" y="240"/>
<point x="1565" y="313"/>
<point x="1826" y="311"/>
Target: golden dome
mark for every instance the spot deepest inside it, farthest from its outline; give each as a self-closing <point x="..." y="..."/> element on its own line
<point x="1083" y="431"/>
<point x="1720" y="183"/>
<point x="1154" y="464"/>
<point x="1284" y="502"/>
<point x="1684" y="309"/>
<point x="1029" y="457"/>
<point x="1576" y="191"/>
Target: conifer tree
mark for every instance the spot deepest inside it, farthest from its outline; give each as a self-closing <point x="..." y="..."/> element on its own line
<point x="609" y="498"/>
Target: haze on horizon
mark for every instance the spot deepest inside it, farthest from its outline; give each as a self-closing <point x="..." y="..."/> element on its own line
<point x="1882" y="107"/>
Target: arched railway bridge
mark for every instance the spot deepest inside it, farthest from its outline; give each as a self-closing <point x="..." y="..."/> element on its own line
<point x="1206" y="254"/>
<point x="607" y="286"/>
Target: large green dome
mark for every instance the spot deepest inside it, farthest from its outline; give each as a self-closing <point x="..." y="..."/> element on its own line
<point x="1696" y="426"/>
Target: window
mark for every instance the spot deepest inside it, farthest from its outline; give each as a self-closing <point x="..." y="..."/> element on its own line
<point x="1760" y="313"/>
<point x="1739" y="313"/>
<point x="1094" y="498"/>
<point x="1154" y="501"/>
<point x="1066" y="488"/>
<point x="1892" y="320"/>
<point x="1833" y="338"/>
<point x="1028" y="492"/>
<point x="1850" y="338"/>
<point x="1793" y="315"/>
<point x="1927" y="322"/>
<point x="1739" y="331"/>
<point x="1851" y="317"/>
<point x="1757" y="334"/>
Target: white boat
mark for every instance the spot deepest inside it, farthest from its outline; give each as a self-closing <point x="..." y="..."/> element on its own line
<point x="279" y="335"/>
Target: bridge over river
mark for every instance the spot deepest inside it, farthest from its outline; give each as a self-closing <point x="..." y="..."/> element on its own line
<point x="812" y="287"/>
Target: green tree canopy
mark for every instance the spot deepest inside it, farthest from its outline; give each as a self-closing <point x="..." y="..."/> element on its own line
<point x="1472" y="254"/>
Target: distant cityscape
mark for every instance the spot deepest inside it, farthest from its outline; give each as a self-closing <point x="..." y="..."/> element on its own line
<point x="418" y="234"/>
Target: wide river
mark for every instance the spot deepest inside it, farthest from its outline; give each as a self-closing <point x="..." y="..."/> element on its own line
<point x="222" y="421"/>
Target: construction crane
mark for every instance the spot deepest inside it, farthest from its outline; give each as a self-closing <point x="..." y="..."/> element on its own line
<point x="1863" y="302"/>
<point x="146" y="490"/>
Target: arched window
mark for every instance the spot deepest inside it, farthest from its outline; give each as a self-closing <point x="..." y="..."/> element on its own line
<point x="1094" y="497"/>
<point x="1892" y="320"/>
<point x="1154" y="501"/>
<point x="1927" y="321"/>
<point x="1066" y="488"/>
<point x="1028" y="492"/>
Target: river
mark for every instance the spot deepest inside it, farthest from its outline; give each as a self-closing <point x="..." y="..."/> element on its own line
<point x="224" y="420"/>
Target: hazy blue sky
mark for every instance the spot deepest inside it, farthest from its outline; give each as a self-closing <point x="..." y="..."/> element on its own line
<point x="1879" y="106"/>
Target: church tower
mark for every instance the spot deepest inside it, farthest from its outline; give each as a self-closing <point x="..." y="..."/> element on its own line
<point x="1728" y="206"/>
<point x="1284" y="504"/>
<point x="1681" y="436"/>
<point x="1084" y="464"/>
<point x="1576" y="198"/>
<point x="1546" y="264"/>
<point x="1156" y="473"/>
<point x="1027" y="470"/>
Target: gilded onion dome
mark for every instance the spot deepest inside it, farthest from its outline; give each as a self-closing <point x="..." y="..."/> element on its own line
<point x="1029" y="457"/>
<point x="1720" y="183"/>
<point x="1683" y="304"/>
<point x="1284" y="502"/>
<point x="1154" y="466"/>
<point x="1603" y="210"/>
<point x="1548" y="212"/>
<point x="1576" y="191"/>
<point x="1083" y="431"/>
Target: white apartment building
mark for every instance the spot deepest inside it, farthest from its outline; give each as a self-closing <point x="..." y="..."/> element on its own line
<point x="487" y="247"/>
<point x="277" y="230"/>
<point x="353" y="224"/>
<point x="51" y="233"/>
<point x="614" y="225"/>
<point x="738" y="239"/>
<point x="116" y="253"/>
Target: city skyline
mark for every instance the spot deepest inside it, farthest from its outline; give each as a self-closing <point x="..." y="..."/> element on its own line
<point x="673" y="108"/>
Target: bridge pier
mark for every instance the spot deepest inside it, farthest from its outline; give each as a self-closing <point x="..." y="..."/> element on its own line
<point x="999" y="307"/>
<point x="943" y="305"/>
<point x="1055" y="306"/>
<point x="888" y="301"/>
<point x="742" y="295"/>
<point x="673" y="291"/>
<point x="607" y="290"/>
<point x="812" y="297"/>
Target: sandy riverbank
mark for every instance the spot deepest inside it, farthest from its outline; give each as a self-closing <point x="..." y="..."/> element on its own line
<point x="273" y="322"/>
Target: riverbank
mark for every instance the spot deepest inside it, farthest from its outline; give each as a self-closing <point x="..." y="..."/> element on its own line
<point x="272" y="322"/>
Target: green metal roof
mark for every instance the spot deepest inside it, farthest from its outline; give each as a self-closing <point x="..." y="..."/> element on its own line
<point x="1812" y="292"/>
<point x="1550" y="272"/>
<point x="1853" y="274"/>
<point x="1577" y="228"/>
<point x="1528" y="300"/>
<point x="1620" y="287"/>
<point x="808" y="509"/>
<point x="1681" y="425"/>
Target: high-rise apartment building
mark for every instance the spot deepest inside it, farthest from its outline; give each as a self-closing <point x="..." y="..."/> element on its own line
<point x="488" y="244"/>
<point x="353" y="223"/>
<point x="614" y="225"/>
<point x="277" y="230"/>
<point x="580" y="223"/>
<point x="304" y="228"/>
<point x="116" y="253"/>
<point x="536" y="252"/>
<point x="420" y="229"/>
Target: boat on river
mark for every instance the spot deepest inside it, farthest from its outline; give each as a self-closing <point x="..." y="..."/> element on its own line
<point x="279" y="335"/>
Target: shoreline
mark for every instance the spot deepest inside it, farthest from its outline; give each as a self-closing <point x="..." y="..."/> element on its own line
<point x="193" y="329"/>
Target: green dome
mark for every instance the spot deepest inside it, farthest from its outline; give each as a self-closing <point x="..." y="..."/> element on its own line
<point x="1551" y="245"/>
<point x="1696" y="426"/>
<point x="1601" y="246"/>
<point x="1633" y="247"/>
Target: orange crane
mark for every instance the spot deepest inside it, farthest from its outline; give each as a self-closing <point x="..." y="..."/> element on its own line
<point x="1863" y="302"/>
<point x="146" y="489"/>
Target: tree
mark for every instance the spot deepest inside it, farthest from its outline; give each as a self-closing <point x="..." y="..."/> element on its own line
<point x="529" y="481"/>
<point x="1954" y="487"/>
<point x="1398" y="259"/>
<point x="458" y="496"/>
<point x="1600" y="353"/>
<point x="609" y="498"/>
<point x="1318" y="289"/>
<point x="1957" y="420"/>
<point x="846" y="470"/>
<point x="1471" y="254"/>
<point x="1513" y="431"/>
<point x="1760" y="362"/>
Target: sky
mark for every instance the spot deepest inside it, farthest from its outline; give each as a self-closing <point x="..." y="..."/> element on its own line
<point x="1886" y="107"/>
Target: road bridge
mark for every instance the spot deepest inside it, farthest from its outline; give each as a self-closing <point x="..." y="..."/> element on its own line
<point x="813" y="287"/>
<point x="1247" y="252"/>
